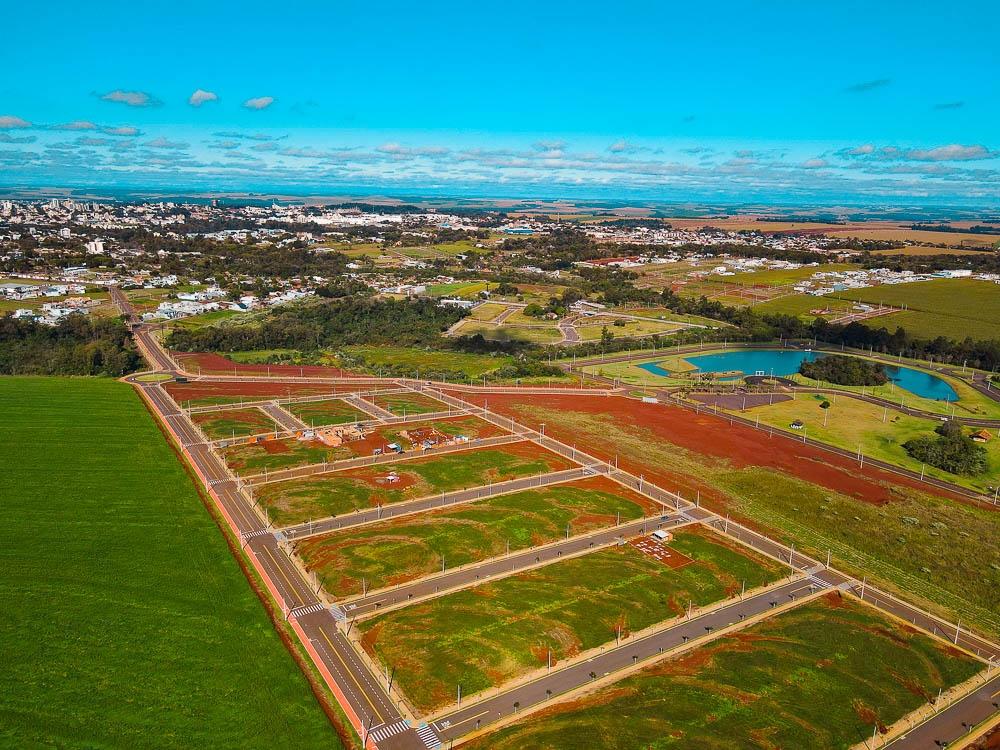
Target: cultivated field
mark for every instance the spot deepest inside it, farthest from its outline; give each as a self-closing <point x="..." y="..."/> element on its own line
<point x="214" y="394"/>
<point x="339" y="492"/>
<point x="820" y="676"/>
<point x="284" y="453"/>
<point x="127" y="623"/>
<point x="484" y="636"/>
<point x="233" y="423"/>
<point x="403" y="549"/>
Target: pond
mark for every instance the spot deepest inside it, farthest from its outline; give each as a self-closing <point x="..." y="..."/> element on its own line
<point x="785" y="362"/>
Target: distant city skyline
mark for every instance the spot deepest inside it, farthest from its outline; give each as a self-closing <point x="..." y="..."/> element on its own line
<point x="829" y="103"/>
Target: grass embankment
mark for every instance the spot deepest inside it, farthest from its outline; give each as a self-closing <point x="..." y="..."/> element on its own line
<point x="127" y="623"/>
<point x="403" y="549"/>
<point x="920" y="545"/>
<point x="820" y="676"/>
<point x="484" y="636"/>
<point x="353" y="489"/>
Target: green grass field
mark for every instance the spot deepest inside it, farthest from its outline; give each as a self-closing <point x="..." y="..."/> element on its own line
<point x="820" y="676"/>
<point x="919" y="545"/>
<point x="503" y="332"/>
<point x="234" y="423"/>
<point x="851" y="423"/>
<point x="413" y="360"/>
<point x="402" y="549"/>
<point x="403" y="404"/>
<point x="328" y="411"/>
<point x="127" y="623"/>
<point x="484" y="636"/>
<point x="947" y="307"/>
<point x="460" y="289"/>
<point x="353" y="489"/>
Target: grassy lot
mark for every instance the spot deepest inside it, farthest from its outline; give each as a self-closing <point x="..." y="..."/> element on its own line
<point x="484" y="636"/>
<point x="950" y="307"/>
<point x="590" y="329"/>
<point x="851" y="423"/>
<point x="329" y="411"/>
<point x="352" y="489"/>
<point x="416" y="360"/>
<point x="403" y="549"/>
<point x="920" y="545"/>
<point x="461" y="289"/>
<point x="503" y="332"/>
<point x="253" y="458"/>
<point x="206" y="319"/>
<point x="820" y="676"/>
<point x="487" y="311"/>
<point x="234" y="423"/>
<point x="803" y="305"/>
<point x="662" y="313"/>
<point x="403" y="404"/>
<point x="127" y="623"/>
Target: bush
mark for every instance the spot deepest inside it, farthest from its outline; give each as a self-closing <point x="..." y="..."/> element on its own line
<point x="841" y="370"/>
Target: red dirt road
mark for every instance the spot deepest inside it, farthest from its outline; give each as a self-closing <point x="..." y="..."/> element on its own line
<point x="708" y="435"/>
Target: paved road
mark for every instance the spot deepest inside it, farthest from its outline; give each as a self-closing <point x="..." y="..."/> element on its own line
<point x="285" y="419"/>
<point x="369" y="408"/>
<point x="954" y="721"/>
<point x="504" y="565"/>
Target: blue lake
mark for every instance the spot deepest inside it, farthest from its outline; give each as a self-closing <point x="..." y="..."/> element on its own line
<point x="784" y="362"/>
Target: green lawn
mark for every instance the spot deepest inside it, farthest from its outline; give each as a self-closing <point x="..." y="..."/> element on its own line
<point x="402" y="549"/>
<point x="329" y="411"/>
<point x="234" y="423"/>
<point x="484" y="636"/>
<point x="503" y="332"/>
<point x="820" y="677"/>
<point x="352" y="489"/>
<point x="127" y="623"/>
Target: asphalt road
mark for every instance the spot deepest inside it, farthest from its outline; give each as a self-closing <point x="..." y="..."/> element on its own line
<point x="285" y="419"/>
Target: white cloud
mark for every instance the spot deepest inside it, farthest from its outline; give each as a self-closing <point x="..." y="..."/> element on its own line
<point x="76" y="125"/>
<point x="815" y="163"/>
<point x="162" y="142"/>
<point x="200" y="96"/>
<point x="258" y="103"/>
<point x="122" y="130"/>
<point x="950" y="152"/>
<point x="131" y="98"/>
<point x="9" y="122"/>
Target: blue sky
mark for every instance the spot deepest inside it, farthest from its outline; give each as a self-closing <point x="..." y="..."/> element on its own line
<point x="729" y="101"/>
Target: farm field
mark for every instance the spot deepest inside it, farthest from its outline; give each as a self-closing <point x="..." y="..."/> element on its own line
<point x="818" y="676"/>
<point x="492" y="633"/>
<point x="328" y="411"/>
<point x="851" y="423"/>
<point x="412" y="360"/>
<point x="962" y="307"/>
<point x="460" y="289"/>
<point x="127" y="620"/>
<point x="931" y="548"/>
<point x="402" y="404"/>
<point x="344" y="491"/>
<point x="234" y="423"/>
<point x="253" y="458"/>
<point x="487" y="311"/>
<point x="403" y="549"/>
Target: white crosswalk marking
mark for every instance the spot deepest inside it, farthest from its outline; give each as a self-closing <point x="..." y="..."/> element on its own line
<point x="255" y="533"/>
<point x="428" y="737"/>
<point x="306" y="609"/>
<point x="388" y="730"/>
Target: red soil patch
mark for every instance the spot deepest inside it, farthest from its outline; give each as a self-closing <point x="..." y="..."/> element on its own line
<point x="404" y="480"/>
<point x="708" y="435"/>
<point x="209" y="363"/>
<point x="275" y="446"/>
<point x="182" y="392"/>
<point x="661" y="552"/>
